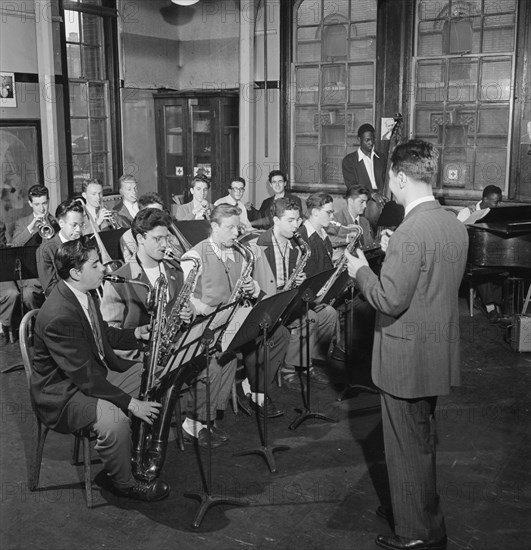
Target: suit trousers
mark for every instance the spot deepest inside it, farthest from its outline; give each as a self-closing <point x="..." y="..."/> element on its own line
<point x="410" y="441"/>
<point x="254" y="359"/>
<point x="323" y="328"/>
<point x="8" y="298"/>
<point x="113" y="428"/>
<point x="221" y="379"/>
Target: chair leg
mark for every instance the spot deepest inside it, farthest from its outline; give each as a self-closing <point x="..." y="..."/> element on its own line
<point x="279" y="378"/>
<point x="75" y="450"/>
<point x="87" y="467"/>
<point x="40" y="431"/>
<point x="178" y="425"/>
<point x="234" y="398"/>
<point x="471" y="294"/>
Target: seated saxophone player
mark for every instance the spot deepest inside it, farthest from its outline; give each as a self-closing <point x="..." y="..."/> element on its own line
<point x="125" y="305"/>
<point x="101" y="217"/>
<point x="279" y="263"/>
<point x="69" y="216"/>
<point x="77" y="381"/>
<point x="29" y="231"/>
<point x="223" y="271"/>
<point x="128" y="242"/>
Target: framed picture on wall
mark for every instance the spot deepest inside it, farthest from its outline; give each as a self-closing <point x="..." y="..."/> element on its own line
<point x="20" y="166"/>
<point x="7" y="90"/>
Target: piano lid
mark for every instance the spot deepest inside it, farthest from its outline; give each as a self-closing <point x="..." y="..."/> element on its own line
<point x="506" y="220"/>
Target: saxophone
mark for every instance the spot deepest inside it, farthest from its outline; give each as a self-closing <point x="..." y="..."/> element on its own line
<point x="342" y="264"/>
<point x="150" y="441"/>
<point x="301" y="264"/>
<point x="247" y="269"/>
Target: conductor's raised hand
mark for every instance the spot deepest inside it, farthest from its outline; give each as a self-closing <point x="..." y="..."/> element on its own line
<point x="355" y="262"/>
<point x="145" y="410"/>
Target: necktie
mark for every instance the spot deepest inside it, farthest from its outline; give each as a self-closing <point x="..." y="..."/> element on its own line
<point x="96" y="329"/>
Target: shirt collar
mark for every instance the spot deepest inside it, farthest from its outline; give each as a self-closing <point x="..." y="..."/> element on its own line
<point x="82" y="298"/>
<point x="221" y="253"/>
<point x="311" y="230"/>
<point x="416" y="202"/>
<point x="362" y="155"/>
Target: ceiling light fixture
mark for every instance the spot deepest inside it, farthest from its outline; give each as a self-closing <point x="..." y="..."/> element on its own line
<point x="185" y="2"/>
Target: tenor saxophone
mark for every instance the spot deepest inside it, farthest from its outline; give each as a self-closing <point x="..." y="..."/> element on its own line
<point x="342" y="264"/>
<point x="250" y="259"/>
<point x="301" y="263"/>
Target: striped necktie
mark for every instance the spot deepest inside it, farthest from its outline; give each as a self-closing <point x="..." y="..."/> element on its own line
<point x="96" y="329"/>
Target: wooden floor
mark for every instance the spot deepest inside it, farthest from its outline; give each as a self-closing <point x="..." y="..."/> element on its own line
<point x="328" y="483"/>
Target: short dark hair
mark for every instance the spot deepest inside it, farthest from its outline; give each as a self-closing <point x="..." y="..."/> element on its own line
<point x="69" y="205"/>
<point x="317" y="200"/>
<point x="73" y="254"/>
<point x="274" y="173"/>
<point x="491" y="190"/>
<point x="365" y="128"/>
<point x="356" y="191"/>
<point x="87" y="182"/>
<point x="279" y="206"/>
<point x="147" y="219"/>
<point x="238" y="178"/>
<point x="417" y="159"/>
<point x="126" y="177"/>
<point x="223" y="211"/>
<point x="149" y="198"/>
<point x="199" y="179"/>
<point x="36" y="191"/>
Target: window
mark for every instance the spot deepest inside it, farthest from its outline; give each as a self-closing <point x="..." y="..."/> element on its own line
<point x="89" y="40"/>
<point x="334" y="75"/>
<point x="463" y="80"/>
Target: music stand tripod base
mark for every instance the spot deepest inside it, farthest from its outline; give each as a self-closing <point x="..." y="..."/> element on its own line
<point x="207" y="501"/>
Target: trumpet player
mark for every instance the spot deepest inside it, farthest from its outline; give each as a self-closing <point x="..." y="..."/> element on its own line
<point x="198" y="208"/>
<point x="102" y="218"/>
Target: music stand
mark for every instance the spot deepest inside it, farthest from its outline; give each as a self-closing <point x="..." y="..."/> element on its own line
<point x="306" y="293"/>
<point x="208" y="337"/>
<point x="261" y="320"/>
<point x="18" y="263"/>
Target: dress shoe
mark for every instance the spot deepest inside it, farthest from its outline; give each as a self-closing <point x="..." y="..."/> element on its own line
<point x="218" y="432"/>
<point x="147" y="491"/>
<point x="338" y="354"/>
<point x="202" y="438"/>
<point x="291" y="381"/>
<point x="394" y="542"/>
<point x="272" y="410"/>
<point x="318" y="375"/>
<point x="243" y="400"/>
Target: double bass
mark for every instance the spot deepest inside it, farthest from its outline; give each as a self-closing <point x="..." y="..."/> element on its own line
<point x="385" y="212"/>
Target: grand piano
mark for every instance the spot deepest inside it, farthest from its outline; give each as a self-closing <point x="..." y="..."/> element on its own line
<point x="500" y="243"/>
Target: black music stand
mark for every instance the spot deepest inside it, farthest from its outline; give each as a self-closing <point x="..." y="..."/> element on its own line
<point x="18" y="263"/>
<point x="208" y="337"/>
<point x="261" y="321"/>
<point x="306" y="293"/>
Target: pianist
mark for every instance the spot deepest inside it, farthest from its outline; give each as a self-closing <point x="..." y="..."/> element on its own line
<point x="490" y="198"/>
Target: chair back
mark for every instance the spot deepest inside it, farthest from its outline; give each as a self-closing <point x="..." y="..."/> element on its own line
<point x="25" y="334"/>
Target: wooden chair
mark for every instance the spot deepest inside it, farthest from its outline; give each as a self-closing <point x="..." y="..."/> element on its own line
<point x="40" y="431"/>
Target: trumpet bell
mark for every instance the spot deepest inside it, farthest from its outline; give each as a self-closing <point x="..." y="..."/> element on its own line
<point x="46" y="231"/>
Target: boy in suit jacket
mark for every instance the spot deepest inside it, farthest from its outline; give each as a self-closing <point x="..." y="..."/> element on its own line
<point x="78" y="381"/>
<point x="416" y="344"/>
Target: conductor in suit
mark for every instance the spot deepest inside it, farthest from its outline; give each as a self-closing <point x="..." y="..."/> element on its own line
<point x="416" y="344"/>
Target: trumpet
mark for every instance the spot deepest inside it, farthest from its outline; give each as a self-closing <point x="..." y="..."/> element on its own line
<point x="45" y="230"/>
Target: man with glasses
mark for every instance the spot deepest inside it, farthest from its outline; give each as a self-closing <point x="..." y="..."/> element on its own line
<point x="70" y="216"/>
<point x="234" y="198"/>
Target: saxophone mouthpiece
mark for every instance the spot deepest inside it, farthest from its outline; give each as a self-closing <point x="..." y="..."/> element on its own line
<point x="335" y="223"/>
<point x="115" y="279"/>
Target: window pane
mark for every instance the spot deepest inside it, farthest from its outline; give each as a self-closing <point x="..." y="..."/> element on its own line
<point x="430" y="82"/>
<point x="91" y="29"/>
<point x="73" y="57"/>
<point x="462" y="79"/>
<point x="355" y="118"/>
<point x="308" y="44"/>
<point x="92" y="63"/>
<point x="98" y="135"/>
<point x="81" y="170"/>
<point x="498" y="33"/>
<point x="430" y="41"/>
<point x="72" y="31"/>
<point x="100" y="170"/>
<point x="306" y="121"/>
<point x="499" y="6"/>
<point x="495" y="80"/>
<point x="425" y="127"/>
<point x="97" y="99"/>
<point x="80" y="135"/>
<point x="335" y="42"/>
<point x="363" y="10"/>
<point x="331" y="164"/>
<point x="363" y="40"/>
<point x="307" y="85"/>
<point x="306" y="169"/>
<point x="490" y="167"/>
<point x="429" y="9"/>
<point x="338" y="8"/>
<point x="78" y="99"/>
<point x="493" y="126"/>
<point x="361" y="83"/>
<point x="334" y="88"/>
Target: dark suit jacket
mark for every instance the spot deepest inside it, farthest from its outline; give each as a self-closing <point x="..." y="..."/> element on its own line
<point x="416" y="343"/>
<point x="21" y="235"/>
<point x="46" y="263"/>
<point x="68" y="375"/>
<point x="263" y="217"/>
<point x="124" y="218"/>
<point x="184" y="212"/>
<point x="265" y="269"/>
<point x="321" y="258"/>
<point x="355" y="173"/>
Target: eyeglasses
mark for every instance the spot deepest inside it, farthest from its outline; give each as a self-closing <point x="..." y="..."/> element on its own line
<point x="239" y="189"/>
<point x="159" y="239"/>
<point x="76" y="225"/>
<point x="329" y="212"/>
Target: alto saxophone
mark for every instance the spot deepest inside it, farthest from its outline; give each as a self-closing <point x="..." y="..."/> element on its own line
<point x="301" y="264"/>
<point x="342" y="264"/>
<point x="247" y="269"/>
